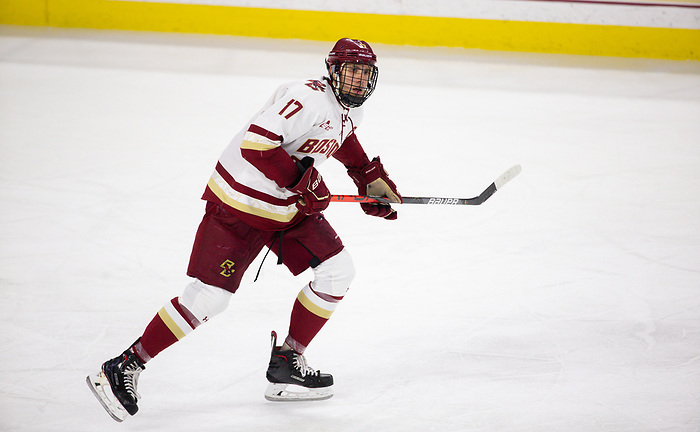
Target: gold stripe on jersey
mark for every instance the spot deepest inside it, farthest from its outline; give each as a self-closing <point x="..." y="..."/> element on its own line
<point x="253" y="141"/>
<point x="248" y="204"/>
<point x="315" y="304"/>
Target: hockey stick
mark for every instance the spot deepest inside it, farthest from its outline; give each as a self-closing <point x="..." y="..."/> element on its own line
<point x="486" y="194"/>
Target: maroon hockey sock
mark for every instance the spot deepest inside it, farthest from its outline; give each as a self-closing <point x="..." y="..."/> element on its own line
<point x="310" y="313"/>
<point x="172" y="323"/>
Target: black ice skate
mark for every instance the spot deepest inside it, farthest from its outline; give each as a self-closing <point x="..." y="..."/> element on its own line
<point x="291" y="379"/>
<point x="115" y="385"/>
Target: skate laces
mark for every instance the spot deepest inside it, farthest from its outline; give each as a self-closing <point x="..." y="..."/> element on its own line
<point x="301" y="365"/>
<point x="131" y="378"/>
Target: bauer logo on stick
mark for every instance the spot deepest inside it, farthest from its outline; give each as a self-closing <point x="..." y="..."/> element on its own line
<point x="443" y="201"/>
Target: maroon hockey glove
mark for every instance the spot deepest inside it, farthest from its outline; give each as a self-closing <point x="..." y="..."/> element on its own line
<point x="314" y="195"/>
<point x="373" y="180"/>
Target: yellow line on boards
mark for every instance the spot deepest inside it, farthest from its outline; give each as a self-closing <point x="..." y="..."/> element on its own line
<point x="560" y="38"/>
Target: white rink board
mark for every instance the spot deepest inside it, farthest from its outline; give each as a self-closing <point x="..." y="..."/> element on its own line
<point x="512" y="10"/>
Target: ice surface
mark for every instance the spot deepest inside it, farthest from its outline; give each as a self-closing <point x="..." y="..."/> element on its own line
<point x="570" y="301"/>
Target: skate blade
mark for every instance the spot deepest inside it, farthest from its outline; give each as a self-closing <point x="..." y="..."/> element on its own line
<point x="100" y="387"/>
<point x="295" y="393"/>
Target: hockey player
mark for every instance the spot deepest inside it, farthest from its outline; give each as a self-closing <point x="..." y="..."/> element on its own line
<point x="266" y="191"/>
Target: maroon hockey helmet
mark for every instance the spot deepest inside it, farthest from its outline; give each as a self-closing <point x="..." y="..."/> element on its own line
<point x="353" y="71"/>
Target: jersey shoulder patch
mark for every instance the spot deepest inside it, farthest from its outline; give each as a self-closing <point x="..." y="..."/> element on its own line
<point x="312" y="95"/>
<point x="316" y="85"/>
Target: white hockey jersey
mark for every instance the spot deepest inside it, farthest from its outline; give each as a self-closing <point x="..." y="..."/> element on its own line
<point x="301" y="119"/>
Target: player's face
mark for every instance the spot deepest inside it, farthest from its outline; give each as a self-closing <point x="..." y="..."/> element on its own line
<point x="354" y="78"/>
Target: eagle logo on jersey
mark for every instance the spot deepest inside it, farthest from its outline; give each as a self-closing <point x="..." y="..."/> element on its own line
<point x="316" y="85"/>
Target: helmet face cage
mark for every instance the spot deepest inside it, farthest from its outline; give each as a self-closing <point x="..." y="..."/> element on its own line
<point x="353" y="83"/>
<point x="353" y="73"/>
